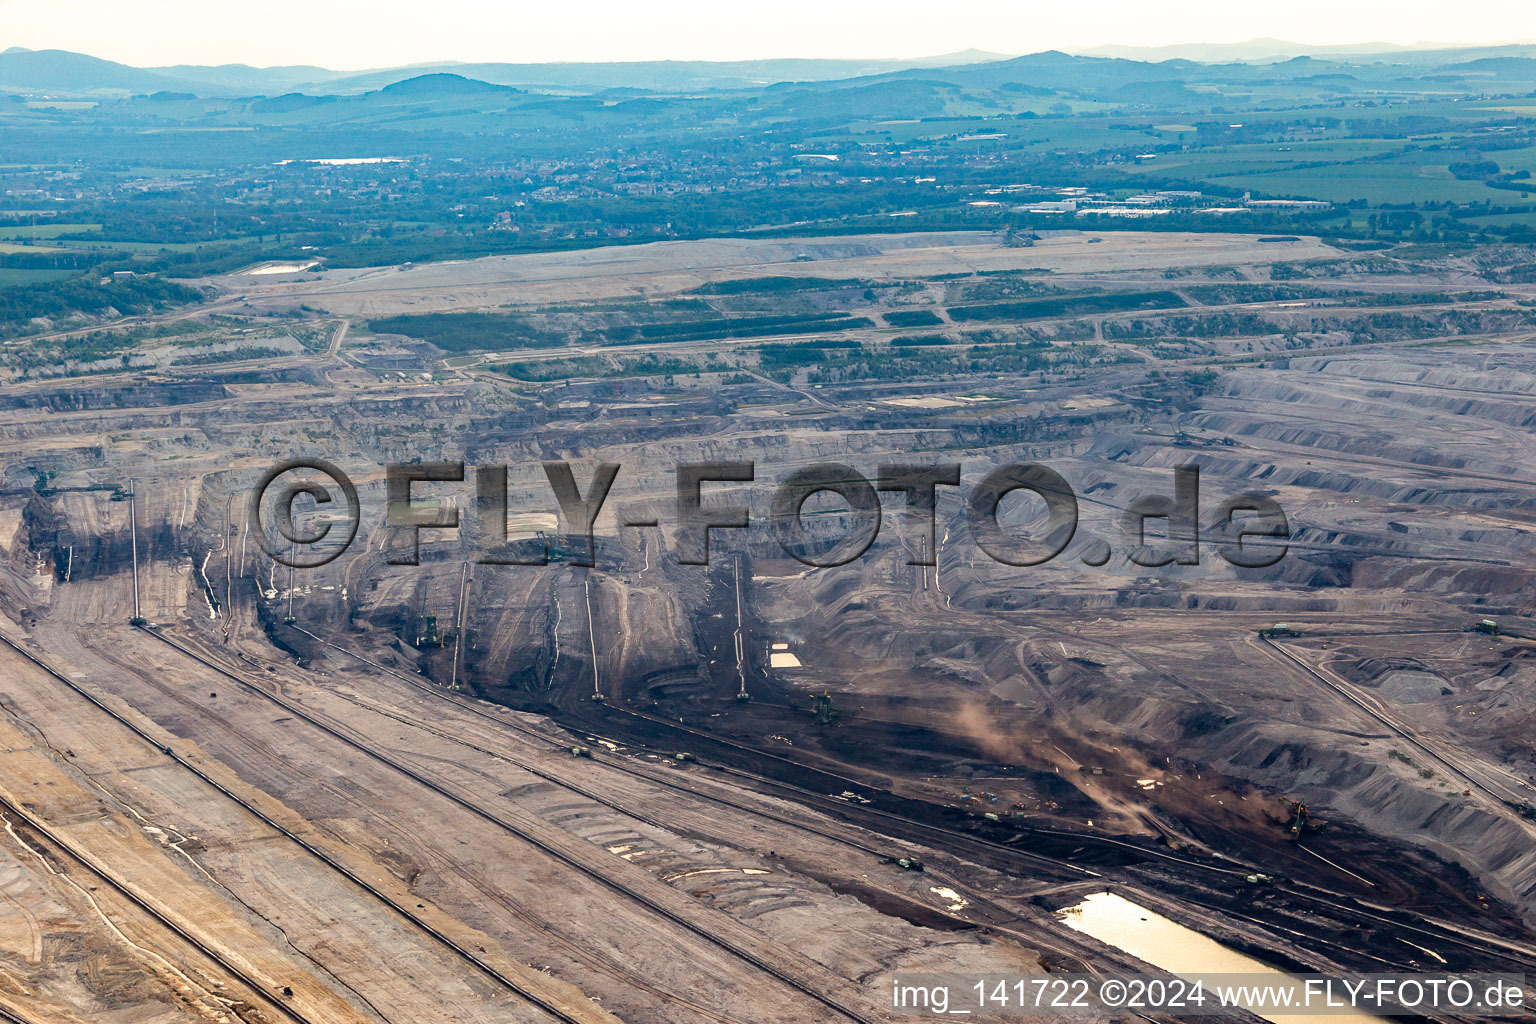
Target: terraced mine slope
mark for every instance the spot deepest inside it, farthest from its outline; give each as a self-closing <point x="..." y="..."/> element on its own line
<point x="651" y="791"/>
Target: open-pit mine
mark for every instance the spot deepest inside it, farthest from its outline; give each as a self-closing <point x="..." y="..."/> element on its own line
<point x="490" y="782"/>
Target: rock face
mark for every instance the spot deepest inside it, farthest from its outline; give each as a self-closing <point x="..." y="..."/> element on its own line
<point x="133" y="396"/>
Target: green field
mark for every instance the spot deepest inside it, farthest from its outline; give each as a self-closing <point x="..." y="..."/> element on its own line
<point x="1262" y="158"/>
<point x="1381" y="183"/>
<point x="119" y="245"/>
<point x="1506" y="219"/>
<point x="1513" y="160"/>
<point x="10" y="278"/>
<point x="46" y="230"/>
<point x="9" y="247"/>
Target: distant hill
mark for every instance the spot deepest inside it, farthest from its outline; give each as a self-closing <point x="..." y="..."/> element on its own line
<point x="668" y="76"/>
<point x="1269" y="51"/>
<point x="1053" y="71"/>
<point x="1258" y="50"/>
<point x="441" y="84"/>
<point x="1168" y="77"/>
<point x="1178" y="82"/>
<point x="59" y="71"/>
<point x="289" y="102"/>
<point x="1501" y="67"/>
<point x="244" y="80"/>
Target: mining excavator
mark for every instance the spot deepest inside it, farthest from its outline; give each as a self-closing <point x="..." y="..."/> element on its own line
<point x="1301" y="821"/>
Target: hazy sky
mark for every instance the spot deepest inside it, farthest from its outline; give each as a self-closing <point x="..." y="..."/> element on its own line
<point x="354" y="34"/>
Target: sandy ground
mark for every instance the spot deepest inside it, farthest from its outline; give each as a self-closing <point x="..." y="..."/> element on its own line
<point x="615" y="272"/>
